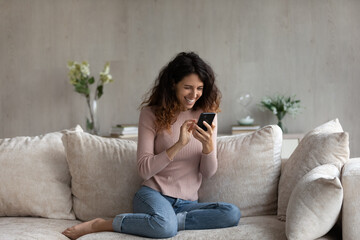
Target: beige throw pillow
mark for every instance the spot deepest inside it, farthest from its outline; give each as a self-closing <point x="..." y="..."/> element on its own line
<point x="314" y="204"/>
<point x="248" y="172"/>
<point x="34" y="177"/>
<point x="104" y="174"/>
<point x="326" y="144"/>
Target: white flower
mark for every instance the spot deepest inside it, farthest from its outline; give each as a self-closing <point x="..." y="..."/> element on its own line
<point x="106" y="69"/>
<point x="267" y="100"/>
<point x="85" y="69"/>
<point x="273" y="109"/>
<point x="79" y="75"/>
<point x="105" y="77"/>
<point x="70" y="64"/>
<point x="280" y="105"/>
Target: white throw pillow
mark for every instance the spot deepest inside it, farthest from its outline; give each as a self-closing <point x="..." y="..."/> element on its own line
<point x="315" y="203"/>
<point x="34" y="177"/>
<point x="248" y="172"/>
<point x="326" y="144"/>
<point x="104" y="174"/>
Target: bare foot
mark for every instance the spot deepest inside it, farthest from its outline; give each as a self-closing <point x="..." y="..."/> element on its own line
<point x="81" y="229"/>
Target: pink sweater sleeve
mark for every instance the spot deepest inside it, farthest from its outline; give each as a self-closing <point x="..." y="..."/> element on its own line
<point x="148" y="163"/>
<point x="208" y="164"/>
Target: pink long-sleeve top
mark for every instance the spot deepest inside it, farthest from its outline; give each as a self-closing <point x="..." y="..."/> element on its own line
<point x="181" y="177"/>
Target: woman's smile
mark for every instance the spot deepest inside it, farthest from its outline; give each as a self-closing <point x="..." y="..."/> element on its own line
<point x="189" y="90"/>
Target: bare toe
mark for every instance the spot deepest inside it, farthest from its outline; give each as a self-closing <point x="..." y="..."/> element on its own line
<point x="78" y="230"/>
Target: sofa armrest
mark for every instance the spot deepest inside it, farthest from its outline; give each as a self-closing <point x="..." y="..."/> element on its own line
<point x="351" y="206"/>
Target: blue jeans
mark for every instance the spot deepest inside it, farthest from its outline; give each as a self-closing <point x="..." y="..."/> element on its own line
<point x="159" y="216"/>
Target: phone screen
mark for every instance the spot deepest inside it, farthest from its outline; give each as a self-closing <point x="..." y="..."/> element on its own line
<point x="207" y="117"/>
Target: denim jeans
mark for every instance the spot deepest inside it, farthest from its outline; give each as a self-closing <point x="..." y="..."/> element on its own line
<point x="159" y="216"/>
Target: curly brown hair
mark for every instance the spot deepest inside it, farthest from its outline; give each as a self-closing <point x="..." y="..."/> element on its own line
<point x="162" y="97"/>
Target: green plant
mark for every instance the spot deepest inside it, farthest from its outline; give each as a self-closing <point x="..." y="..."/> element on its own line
<point x="280" y="105"/>
<point x="79" y="74"/>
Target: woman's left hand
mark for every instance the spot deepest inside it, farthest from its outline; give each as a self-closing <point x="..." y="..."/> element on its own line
<point x="205" y="137"/>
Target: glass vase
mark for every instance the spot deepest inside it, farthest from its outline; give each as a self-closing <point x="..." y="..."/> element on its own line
<point x="282" y="126"/>
<point x="92" y="123"/>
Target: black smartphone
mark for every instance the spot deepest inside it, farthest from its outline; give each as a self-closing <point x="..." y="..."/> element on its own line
<point x="207" y="117"/>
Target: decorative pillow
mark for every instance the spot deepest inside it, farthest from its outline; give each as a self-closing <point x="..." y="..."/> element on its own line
<point x="104" y="174"/>
<point x="326" y="144"/>
<point x="315" y="203"/>
<point x="248" y="172"/>
<point x="34" y="177"/>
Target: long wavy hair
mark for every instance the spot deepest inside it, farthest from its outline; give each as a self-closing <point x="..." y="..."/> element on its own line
<point x="162" y="97"/>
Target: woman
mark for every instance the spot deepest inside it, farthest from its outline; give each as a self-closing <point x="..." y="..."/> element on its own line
<point x="174" y="154"/>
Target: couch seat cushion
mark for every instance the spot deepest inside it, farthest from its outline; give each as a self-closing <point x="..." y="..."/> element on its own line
<point x="259" y="227"/>
<point x="249" y="228"/>
<point x="25" y="228"/>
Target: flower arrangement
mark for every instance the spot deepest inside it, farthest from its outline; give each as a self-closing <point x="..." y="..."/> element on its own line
<point x="280" y="106"/>
<point x="79" y="74"/>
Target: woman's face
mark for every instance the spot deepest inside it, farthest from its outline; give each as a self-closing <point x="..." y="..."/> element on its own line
<point x="188" y="91"/>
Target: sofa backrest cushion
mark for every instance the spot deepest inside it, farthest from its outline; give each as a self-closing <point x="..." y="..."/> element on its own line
<point x="34" y="177"/>
<point x="326" y="144"/>
<point x="248" y="172"/>
<point x="104" y="175"/>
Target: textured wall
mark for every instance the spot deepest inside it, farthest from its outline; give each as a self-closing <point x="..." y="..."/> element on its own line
<point x="308" y="48"/>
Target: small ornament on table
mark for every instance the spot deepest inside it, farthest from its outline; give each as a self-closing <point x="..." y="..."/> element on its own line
<point x="244" y="115"/>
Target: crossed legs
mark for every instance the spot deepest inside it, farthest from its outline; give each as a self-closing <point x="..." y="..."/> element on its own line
<point x="155" y="216"/>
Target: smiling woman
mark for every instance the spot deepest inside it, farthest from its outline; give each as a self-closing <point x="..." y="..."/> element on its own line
<point x="197" y="80"/>
<point x="173" y="156"/>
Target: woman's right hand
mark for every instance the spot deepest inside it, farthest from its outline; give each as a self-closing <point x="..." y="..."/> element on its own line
<point x="186" y="131"/>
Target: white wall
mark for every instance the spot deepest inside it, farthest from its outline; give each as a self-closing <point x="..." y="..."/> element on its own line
<point x="307" y="48"/>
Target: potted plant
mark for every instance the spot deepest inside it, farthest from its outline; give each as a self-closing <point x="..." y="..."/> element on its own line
<point x="280" y="105"/>
<point x="79" y="74"/>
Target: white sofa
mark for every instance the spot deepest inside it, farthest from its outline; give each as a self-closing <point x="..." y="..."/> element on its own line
<point x="53" y="181"/>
